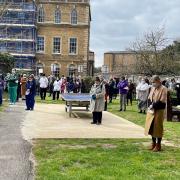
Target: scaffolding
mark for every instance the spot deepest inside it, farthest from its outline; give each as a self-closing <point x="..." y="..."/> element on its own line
<point x="18" y="32"/>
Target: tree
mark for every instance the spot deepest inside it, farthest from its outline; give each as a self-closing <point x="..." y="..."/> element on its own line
<point x="7" y="61"/>
<point x="153" y="55"/>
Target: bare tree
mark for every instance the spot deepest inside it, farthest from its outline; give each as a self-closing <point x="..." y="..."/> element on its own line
<point x="152" y="54"/>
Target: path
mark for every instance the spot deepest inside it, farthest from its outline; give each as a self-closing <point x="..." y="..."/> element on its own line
<point x="14" y="150"/>
<point x="51" y="121"/>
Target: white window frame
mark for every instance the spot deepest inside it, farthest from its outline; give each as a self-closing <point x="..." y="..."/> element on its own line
<point x="55" y="72"/>
<point x="70" y="46"/>
<point x="37" y="45"/>
<point x="71" y="17"/>
<point x="53" y="45"/>
<point x="80" y="68"/>
<point x="59" y="11"/>
<point x="42" y="13"/>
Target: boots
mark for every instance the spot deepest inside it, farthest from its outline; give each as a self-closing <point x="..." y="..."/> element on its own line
<point x="152" y="146"/>
<point x="157" y="148"/>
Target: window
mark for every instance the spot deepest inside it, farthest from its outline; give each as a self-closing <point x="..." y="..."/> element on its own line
<point x="55" y="69"/>
<point x="56" y="45"/>
<point x="40" y="14"/>
<point x="72" y="70"/>
<point x="74" y="17"/>
<point x="73" y="46"/>
<point x="40" y="44"/>
<point x="80" y="68"/>
<point x="57" y="16"/>
<point x="39" y="68"/>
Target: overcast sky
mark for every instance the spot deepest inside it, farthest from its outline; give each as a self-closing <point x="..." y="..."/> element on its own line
<point x="117" y="23"/>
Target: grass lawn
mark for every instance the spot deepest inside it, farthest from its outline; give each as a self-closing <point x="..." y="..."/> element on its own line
<point x="5" y="103"/>
<point x="48" y="100"/>
<point x="171" y="129"/>
<point x="87" y="159"/>
<point x="108" y="159"/>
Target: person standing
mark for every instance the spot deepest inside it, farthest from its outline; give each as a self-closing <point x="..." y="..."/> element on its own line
<point x="143" y="92"/>
<point x="1" y="89"/>
<point x="112" y="87"/>
<point x="131" y="88"/>
<point x="155" y="115"/>
<point x="123" y="90"/>
<point x="43" y="83"/>
<point x="12" y="81"/>
<point x="97" y="93"/>
<point x="56" y="88"/>
<point x="23" y="86"/>
<point x="30" y="93"/>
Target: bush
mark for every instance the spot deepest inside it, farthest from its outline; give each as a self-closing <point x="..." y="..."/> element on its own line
<point x="88" y="82"/>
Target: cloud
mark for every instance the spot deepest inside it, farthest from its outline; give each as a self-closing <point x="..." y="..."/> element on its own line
<point x="117" y="23"/>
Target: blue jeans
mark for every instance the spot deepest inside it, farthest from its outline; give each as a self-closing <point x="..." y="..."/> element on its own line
<point x="1" y="98"/>
<point x="30" y="101"/>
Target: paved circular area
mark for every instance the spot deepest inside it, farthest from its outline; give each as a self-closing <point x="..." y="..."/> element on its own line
<point x="51" y="121"/>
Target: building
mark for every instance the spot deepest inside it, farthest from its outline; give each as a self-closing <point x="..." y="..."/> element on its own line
<point x="49" y="36"/>
<point x="119" y="62"/>
<point x="18" y="32"/>
<point x="63" y="37"/>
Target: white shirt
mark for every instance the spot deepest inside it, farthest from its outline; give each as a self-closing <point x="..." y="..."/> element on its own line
<point x="43" y="82"/>
<point x="57" y="85"/>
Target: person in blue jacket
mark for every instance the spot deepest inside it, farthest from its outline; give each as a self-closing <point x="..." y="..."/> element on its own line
<point x="30" y="93"/>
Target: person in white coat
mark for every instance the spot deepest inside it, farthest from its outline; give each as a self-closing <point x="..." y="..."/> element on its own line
<point x="143" y="92"/>
<point x="43" y="83"/>
<point x="56" y="88"/>
<point x="97" y="101"/>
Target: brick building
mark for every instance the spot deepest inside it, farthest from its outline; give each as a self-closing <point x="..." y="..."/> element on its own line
<point x="120" y="62"/>
<point x="63" y="37"/>
<point x="51" y="35"/>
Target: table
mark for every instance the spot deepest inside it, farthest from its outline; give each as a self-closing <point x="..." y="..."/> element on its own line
<point x="76" y="100"/>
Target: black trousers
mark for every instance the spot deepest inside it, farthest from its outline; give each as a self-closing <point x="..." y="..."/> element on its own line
<point x="43" y="93"/>
<point x="97" y="117"/>
<point x="54" y="95"/>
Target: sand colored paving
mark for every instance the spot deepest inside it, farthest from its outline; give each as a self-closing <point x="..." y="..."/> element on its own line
<point x="51" y="121"/>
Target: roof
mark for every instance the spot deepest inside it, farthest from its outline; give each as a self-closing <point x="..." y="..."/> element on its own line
<point x="120" y="52"/>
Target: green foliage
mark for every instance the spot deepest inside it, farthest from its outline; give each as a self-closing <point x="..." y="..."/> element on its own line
<point x="88" y="81"/>
<point x="171" y="129"/>
<point x="7" y="60"/>
<point x="104" y="159"/>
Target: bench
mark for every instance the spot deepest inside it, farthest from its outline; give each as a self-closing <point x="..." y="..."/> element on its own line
<point x="172" y="109"/>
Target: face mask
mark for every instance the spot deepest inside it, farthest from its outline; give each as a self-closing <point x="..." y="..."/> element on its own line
<point x="155" y="85"/>
<point x="143" y="82"/>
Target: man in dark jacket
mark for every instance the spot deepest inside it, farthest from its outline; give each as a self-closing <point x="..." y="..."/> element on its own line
<point x="123" y="90"/>
<point x="30" y="93"/>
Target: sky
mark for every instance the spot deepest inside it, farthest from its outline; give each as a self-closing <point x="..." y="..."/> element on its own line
<point x="116" y="24"/>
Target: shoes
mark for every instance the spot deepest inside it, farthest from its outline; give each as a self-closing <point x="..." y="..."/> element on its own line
<point x="98" y="123"/>
<point x="93" y="123"/>
<point x="157" y="148"/>
<point x="27" y="109"/>
<point x="140" y="111"/>
<point x="31" y="109"/>
<point x="152" y="146"/>
<point x="120" y="110"/>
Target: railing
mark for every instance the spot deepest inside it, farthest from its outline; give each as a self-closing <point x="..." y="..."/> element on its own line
<point x="22" y="6"/>
<point x="17" y="51"/>
<point x="17" y="21"/>
<point x="66" y="1"/>
<point x="10" y="36"/>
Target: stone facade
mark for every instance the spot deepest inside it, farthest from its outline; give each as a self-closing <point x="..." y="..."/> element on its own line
<point x="69" y="64"/>
<point x="120" y="62"/>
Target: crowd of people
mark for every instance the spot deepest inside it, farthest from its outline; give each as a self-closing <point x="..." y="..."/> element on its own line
<point x="150" y="95"/>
